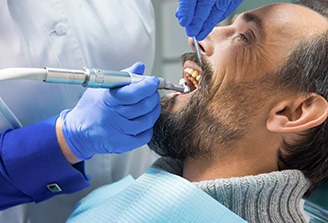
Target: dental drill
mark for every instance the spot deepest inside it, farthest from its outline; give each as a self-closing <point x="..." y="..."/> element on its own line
<point x="91" y="78"/>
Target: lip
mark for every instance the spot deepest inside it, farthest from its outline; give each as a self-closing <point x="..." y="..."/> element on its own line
<point x="173" y="95"/>
<point x="192" y="65"/>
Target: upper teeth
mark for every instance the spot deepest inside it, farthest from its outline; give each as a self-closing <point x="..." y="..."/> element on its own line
<point x="192" y="75"/>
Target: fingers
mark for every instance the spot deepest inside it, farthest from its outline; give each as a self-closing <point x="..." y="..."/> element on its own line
<point x="231" y="8"/>
<point x="202" y="12"/>
<point x="213" y="19"/>
<point x="137" y="68"/>
<point x="201" y="16"/>
<point x="185" y="12"/>
<point x="143" y="123"/>
<point x="132" y="93"/>
<point x="135" y="126"/>
<point x="140" y="108"/>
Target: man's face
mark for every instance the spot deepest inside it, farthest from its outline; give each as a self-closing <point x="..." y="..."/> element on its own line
<point x="236" y="87"/>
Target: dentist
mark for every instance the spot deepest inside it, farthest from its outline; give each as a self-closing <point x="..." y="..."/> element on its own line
<point x="59" y="128"/>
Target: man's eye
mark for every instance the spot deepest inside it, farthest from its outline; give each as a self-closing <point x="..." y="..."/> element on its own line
<point x="243" y="38"/>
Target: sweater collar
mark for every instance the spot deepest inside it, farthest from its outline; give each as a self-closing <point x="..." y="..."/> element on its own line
<point x="270" y="197"/>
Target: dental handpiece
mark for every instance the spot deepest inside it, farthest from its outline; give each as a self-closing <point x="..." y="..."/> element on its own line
<point x="91" y="78"/>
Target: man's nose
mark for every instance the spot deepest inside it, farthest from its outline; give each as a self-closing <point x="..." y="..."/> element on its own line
<point x="207" y="46"/>
<point x="204" y="46"/>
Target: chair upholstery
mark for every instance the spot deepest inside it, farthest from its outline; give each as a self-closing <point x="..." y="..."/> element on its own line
<point x="316" y="206"/>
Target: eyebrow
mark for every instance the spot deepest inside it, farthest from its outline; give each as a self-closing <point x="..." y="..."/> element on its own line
<point x="250" y="17"/>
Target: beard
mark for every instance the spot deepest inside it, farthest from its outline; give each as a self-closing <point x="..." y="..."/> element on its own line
<point x="208" y="121"/>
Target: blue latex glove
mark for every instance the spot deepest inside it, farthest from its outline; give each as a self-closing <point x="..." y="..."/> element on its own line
<point x="113" y="120"/>
<point x="199" y="17"/>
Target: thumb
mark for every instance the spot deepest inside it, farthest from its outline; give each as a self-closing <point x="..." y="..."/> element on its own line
<point x="137" y="68"/>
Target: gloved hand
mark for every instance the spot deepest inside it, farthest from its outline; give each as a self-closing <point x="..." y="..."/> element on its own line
<point x="199" y="17"/>
<point x="113" y="120"/>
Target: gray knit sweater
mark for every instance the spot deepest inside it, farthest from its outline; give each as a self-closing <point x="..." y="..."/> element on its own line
<point x="271" y="197"/>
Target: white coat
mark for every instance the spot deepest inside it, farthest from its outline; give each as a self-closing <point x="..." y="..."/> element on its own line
<point x="107" y="34"/>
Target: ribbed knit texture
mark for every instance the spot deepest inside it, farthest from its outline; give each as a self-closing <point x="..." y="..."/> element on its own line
<point x="271" y="197"/>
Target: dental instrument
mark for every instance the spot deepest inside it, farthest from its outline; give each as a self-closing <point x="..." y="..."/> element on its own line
<point x="197" y="50"/>
<point x="183" y="83"/>
<point x="91" y="78"/>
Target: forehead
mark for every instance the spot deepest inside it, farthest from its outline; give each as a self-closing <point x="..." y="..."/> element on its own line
<point x="290" y="20"/>
<point x="281" y="27"/>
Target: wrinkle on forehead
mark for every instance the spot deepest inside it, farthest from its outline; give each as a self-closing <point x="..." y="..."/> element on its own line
<point x="285" y="26"/>
<point x="289" y="19"/>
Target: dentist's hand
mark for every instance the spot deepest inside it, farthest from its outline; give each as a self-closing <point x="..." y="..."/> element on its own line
<point x="112" y="121"/>
<point x="199" y="17"/>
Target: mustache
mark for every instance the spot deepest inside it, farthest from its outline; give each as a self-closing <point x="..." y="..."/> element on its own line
<point x="189" y="56"/>
<point x="207" y="70"/>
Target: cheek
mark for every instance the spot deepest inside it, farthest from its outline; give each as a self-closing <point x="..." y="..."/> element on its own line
<point x="238" y="62"/>
<point x="228" y="60"/>
<point x="225" y="51"/>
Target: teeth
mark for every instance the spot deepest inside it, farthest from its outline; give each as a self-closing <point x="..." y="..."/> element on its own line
<point x="188" y="70"/>
<point x="193" y="75"/>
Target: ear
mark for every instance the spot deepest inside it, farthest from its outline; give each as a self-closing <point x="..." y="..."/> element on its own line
<point x="294" y="115"/>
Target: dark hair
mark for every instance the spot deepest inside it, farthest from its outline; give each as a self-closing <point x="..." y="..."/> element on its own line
<point x="321" y="6"/>
<point x="306" y="71"/>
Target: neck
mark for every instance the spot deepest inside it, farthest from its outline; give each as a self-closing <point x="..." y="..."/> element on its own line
<point x="204" y="169"/>
<point x="236" y="161"/>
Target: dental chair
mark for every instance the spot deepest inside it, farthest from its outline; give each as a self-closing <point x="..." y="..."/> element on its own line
<point x="316" y="205"/>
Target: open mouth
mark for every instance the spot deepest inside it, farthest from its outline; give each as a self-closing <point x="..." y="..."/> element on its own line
<point x="192" y="74"/>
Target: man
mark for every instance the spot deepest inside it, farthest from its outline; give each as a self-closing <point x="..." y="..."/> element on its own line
<point x="253" y="133"/>
<point x="261" y="107"/>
